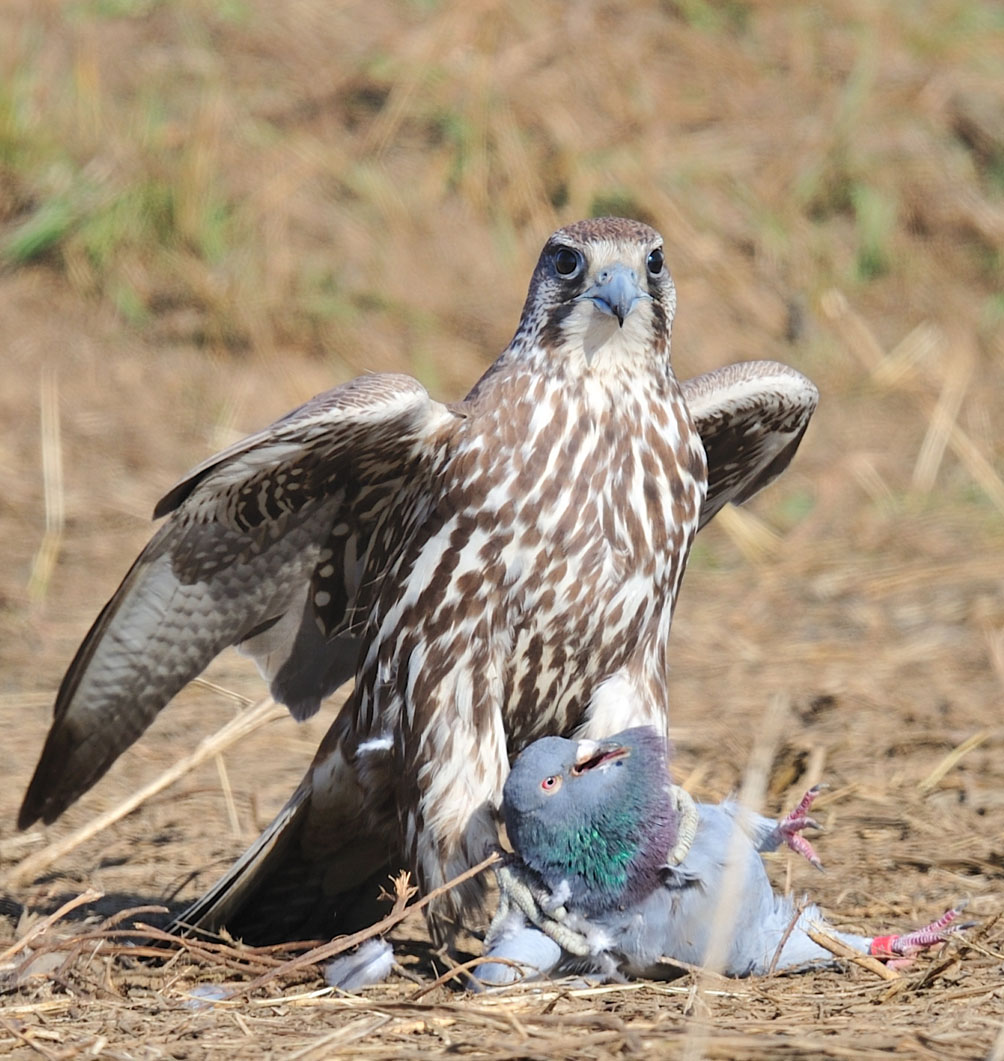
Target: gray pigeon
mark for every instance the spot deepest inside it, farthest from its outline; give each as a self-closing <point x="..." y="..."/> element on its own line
<point x="612" y="874"/>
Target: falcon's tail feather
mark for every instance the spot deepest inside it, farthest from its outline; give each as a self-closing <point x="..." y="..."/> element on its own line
<point x="228" y="897"/>
<point x="286" y="887"/>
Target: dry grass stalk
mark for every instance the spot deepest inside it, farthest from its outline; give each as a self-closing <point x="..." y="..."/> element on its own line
<point x="980" y="469"/>
<point x="361" y="1028"/>
<point x="751" y="795"/>
<point x="52" y="481"/>
<point x="841" y="950"/>
<point x="403" y="893"/>
<point x="461" y="972"/>
<point x="943" y="419"/>
<point x="264" y="712"/>
<point x="860" y="338"/>
<point x="796" y="914"/>
<point x="222" y="690"/>
<point x="43" y="926"/>
<point x="757" y="542"/>
<point x="906" y="361"/>
<point x="951" y="760"/>
<point x="997" y="1050"/>
<point x="264" y="964"/>
<point x="941" y="415"/>
<point x="228" y="796"/>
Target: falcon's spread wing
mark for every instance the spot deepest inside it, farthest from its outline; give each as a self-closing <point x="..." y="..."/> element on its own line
<point x="274" y="545"/>
<point x="751" y="417"/>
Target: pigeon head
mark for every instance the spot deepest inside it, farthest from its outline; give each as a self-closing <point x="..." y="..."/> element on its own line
<point x="593" y="818"/>
<point x="601" y="295"/>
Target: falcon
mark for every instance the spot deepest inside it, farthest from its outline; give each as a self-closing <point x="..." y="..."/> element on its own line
<point x="488" y="572"/>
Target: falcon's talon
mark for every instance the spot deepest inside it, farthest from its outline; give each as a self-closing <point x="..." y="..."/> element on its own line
<point x="514" y="891"/>
<point x="684" y="805"/>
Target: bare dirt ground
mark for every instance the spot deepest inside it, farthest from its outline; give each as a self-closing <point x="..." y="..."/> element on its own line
<point x="829" y="182"/>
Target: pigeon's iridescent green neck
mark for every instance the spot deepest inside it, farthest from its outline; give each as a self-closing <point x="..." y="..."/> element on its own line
<point x="611" y="850"/>
<point x="597" y="855"/>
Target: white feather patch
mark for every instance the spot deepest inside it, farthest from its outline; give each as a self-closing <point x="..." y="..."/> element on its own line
<point x="370" y="965"/>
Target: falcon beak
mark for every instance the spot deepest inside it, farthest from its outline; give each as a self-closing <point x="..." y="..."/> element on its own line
<point x="616" y="291"/>
<point x="596" y="755"/>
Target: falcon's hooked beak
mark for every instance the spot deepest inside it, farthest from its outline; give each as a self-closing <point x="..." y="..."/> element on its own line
<point x="597" y="755"/>
<point x="616" y="291"/>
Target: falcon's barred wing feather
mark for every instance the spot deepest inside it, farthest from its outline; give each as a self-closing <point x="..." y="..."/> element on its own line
<point x="751" y="417"/>
<point x="275" y="545"/>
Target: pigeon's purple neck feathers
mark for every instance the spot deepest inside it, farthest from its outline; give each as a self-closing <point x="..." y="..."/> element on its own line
<point x="607" y="834"/>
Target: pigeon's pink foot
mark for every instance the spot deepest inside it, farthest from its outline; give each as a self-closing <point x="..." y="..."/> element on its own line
<point x="899" y="951"/>
<point x="790" y="828"/>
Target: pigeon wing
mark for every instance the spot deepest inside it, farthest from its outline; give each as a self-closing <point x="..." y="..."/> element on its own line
<point x="275" y="545"/>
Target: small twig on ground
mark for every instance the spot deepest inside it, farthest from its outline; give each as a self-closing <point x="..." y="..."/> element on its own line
<point x="52" y="481"/>
<point x="89" y="896"/>
<point x="460" y="970"/>
<point x="343" y="943"/>
<point x="772" y="968"/>
<point x="842" y="950"/>
<point x="951" y="759"/>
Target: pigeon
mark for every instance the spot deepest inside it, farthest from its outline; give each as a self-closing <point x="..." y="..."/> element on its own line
<point x="369" y="965"/>
<point x="600" y="883"/>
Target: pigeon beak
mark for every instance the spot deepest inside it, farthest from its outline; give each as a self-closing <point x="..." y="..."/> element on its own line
<point x="597" y="755"/>
<point x="616" y="291"/>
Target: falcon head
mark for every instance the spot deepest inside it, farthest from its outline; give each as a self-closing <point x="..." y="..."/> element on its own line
<point x="601" y="295"/>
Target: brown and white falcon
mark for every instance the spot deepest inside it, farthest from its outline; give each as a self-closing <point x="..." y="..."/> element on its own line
<point x="488" y="571"/>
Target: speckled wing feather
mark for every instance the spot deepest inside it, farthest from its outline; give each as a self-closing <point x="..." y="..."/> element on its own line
<point x="273" y="545"/>
<point x="751" y="417"/>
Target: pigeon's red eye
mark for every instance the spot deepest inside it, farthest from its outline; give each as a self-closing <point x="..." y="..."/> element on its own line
<point x="551" y="784"/>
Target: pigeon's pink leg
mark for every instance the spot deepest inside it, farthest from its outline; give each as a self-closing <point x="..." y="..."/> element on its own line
<point x="790" y="827"/>
<point x="899" y="951"/>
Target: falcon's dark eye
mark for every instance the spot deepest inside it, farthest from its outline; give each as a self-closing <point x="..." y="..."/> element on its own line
<point x="551" y="784"/>
<point x="655" y="262"/>
<point x="567" y="262"/>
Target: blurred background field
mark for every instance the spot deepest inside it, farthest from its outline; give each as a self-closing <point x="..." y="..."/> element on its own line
<point x="210" y="211"/>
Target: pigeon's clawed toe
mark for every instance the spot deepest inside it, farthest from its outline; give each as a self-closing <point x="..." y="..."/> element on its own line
<point x="900" y="950"/>
<point x="789" y="828"/>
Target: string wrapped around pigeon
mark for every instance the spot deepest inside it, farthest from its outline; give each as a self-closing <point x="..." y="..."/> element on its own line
<point x="601" y="885"/>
